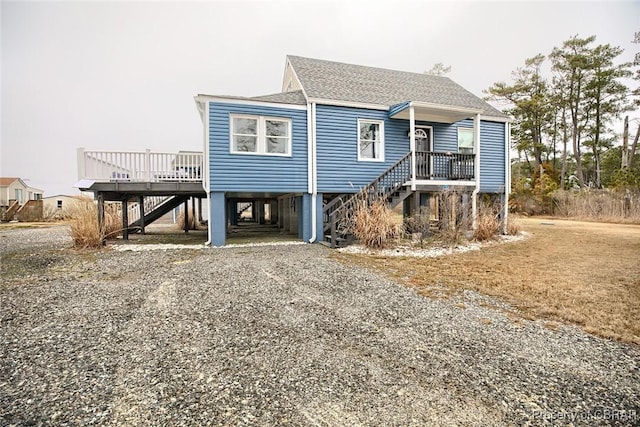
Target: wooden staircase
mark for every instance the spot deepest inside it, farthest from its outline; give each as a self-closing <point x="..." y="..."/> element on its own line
<point x="154" y="208"/>
<point x="389" y="186"/>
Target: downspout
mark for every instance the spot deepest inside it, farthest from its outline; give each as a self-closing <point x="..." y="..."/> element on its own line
<point x="474" y="194"/>
<point x="507" y="173"/>
<point x="206" y="177"/>
<point x="314" y="174"/>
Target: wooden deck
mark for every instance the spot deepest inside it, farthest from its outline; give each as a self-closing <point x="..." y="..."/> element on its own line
<point x="147" y="184"/>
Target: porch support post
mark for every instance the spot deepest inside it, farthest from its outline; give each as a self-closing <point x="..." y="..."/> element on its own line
<point x="141" y="206"/>
<point x="125" y="219"/>
<point x="507" y="177"/>
<point x="101" y="216"/>
<point x="193" y="211"/>
<point x="186" y="216"/>
<point x="412" y="144"/>
<point x="476" y="172"/>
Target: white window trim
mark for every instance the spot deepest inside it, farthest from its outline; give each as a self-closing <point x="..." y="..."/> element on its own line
<point x="382" y="151"/>
<point x="261" y="137"/>
<point x="467" y="129"/>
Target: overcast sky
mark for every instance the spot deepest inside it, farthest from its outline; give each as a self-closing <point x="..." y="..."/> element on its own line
<point x="122" y="76"/>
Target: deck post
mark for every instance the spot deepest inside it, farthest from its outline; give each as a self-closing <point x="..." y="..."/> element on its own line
<point x="125" y="219"/>
<point x="186" y="216"/>
<point x="193" y="209"/>
<point x="101" y="216"/>
<point x="142" y="213"/>
<point x="200" y="210"/>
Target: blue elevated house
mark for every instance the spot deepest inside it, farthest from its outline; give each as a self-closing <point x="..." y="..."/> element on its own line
<point x="338" y="129"/>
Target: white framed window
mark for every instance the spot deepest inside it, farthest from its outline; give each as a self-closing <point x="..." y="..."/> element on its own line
<point x="370" y="140"/>
<point x="262" y="135"/>
<point x="465" y="140"/>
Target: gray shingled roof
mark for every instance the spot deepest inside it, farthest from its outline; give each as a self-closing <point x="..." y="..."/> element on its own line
<point x="293" y="97"/>
<point x="355" y="83"/>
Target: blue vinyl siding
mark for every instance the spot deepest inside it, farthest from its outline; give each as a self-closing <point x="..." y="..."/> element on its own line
<point x="492" y="157"/>
<point x="244" y="172"/>
<point x="339" y="170"/>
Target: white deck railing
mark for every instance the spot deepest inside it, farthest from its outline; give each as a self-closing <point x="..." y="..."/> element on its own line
<point x="146" y="166"/>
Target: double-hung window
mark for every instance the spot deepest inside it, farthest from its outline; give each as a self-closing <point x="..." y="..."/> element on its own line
<point x="370" y="140"/>
<point x="465" y="140"/>
<point x="260" y="135"/>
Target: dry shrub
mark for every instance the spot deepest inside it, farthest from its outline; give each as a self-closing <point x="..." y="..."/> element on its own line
<point x="487" y="222"/>
<point x="513" y="226"/>
<point x="83" y="223"/>
<point x="374" y="224"/>
<point x="418" y="226"/>
<point x="192" y="224"/>
<point x="601" y="205"/>
<point x="454" y="217"/>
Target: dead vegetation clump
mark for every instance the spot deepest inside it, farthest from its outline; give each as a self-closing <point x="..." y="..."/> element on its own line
<point x="488" y="221"/>
<point x="599" y="205"/>
<point x="83" y="223"/>
<point x="192" y="223"/>
<point x="374" y="224"/>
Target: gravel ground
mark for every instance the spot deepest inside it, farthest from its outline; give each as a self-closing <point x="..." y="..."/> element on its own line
<point x="279" y="335"/>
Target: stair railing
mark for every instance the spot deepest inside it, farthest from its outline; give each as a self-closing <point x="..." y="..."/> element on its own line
<point x="339" y="211"/>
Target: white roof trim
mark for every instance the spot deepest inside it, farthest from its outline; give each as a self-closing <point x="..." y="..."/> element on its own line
<point x="288" y="63"/>
<point x="349" y="104"/>
<point x="243" y="101"/>
<point x="451" y="108"/>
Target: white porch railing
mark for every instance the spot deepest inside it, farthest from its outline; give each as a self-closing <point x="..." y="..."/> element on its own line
<point x="145" y="166"/>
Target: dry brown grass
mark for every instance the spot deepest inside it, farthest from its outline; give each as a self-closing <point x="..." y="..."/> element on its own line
<point x="83" y="223"/>
<point x="584" y="273"/>
<point x="622" y="206"/>
<point x="375" y="225"/>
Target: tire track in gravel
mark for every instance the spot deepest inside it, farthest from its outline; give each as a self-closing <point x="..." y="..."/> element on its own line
<point x="138" y="391"/>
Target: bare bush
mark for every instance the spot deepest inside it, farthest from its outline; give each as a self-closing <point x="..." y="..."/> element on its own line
<point x="513" y="226"/>
<point x="600" y="205"/>
<point x="83" y="223"/>
<point x="418" y="225"/>
<point x="374" y="224"/>
<point x="454" y="217"/>
<point x="488" y="221"/>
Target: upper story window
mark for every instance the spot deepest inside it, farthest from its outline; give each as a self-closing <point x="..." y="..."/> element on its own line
<point x="465" y="140"/>
<point x="371" y="140"/>
<point x="260" y="135"/>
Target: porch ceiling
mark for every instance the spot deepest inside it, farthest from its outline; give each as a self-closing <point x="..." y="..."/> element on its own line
<point x="432" y="112"/>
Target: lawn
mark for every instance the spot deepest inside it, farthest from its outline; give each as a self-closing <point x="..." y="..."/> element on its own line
<point x="583" y="273"/>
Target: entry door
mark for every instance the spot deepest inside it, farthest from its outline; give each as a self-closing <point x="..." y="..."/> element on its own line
<point x="424" y="162"/>
<point x="423" y="139"/>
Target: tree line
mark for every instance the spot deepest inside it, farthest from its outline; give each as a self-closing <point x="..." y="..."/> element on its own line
<point x="564" y="107"/>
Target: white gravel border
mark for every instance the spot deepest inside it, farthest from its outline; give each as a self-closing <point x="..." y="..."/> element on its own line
<point x="173" y="246"/>
<point x="408" y="251"/>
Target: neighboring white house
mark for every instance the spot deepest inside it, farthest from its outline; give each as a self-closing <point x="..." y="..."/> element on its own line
<point x="16" y="189"/>
<point x="56" y="207"/>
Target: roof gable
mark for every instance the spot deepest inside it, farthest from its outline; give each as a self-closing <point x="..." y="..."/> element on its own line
<point x="338" y="81"/>
<point x="5" y="182"/>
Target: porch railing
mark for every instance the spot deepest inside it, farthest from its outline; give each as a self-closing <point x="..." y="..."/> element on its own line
<point x="144" y="166"/>
<point x="445" y="166"/>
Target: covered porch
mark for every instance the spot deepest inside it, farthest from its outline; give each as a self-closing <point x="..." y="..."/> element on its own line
<point x="428" y="166"/>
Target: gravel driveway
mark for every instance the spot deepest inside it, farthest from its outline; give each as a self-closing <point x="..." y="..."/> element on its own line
<point x="278" y="335"/>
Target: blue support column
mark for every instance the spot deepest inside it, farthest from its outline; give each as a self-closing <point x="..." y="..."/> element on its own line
<point x="218" y="219"/>
<point x="319" y="221"/>
<point x="305" y="227"/>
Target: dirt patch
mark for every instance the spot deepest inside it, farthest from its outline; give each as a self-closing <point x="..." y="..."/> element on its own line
<point x="580" y="272"/>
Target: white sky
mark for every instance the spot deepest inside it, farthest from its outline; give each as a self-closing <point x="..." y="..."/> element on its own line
<point x="122" y="76"/>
